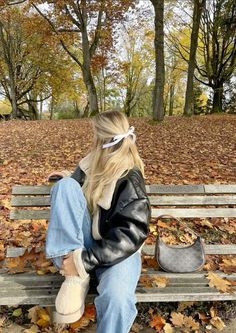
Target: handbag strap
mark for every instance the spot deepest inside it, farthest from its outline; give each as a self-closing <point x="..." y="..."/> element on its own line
<point x="180" y="222"/>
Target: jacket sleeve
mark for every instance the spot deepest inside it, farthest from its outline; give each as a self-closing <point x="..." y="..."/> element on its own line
<point x="128" y="230"/>
<point x="78" y="175"/>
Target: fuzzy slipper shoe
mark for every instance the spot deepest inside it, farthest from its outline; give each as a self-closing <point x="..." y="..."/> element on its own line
<point x="70" y="299"/>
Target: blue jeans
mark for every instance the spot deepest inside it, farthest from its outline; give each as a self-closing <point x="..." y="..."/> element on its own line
<point x="70" y="228"/>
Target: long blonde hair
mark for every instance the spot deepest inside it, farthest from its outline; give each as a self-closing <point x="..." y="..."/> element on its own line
<point x="107" y="163"/>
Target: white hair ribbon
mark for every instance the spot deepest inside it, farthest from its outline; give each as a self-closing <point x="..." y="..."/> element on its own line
<point x="117" y="138"/>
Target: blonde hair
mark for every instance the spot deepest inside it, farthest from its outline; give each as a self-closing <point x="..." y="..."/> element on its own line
<point x="107" y="163"/>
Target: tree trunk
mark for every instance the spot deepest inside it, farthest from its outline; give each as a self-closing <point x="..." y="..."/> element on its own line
<point x="15" y="111"/>
<point x="197" y="13"/>
<point x="217" y="99"/>
<point x="51" y="108"/>
<point x="76" y="109"/>
<point x="158" y="93"/>
<point x="171" y="102"/>
<point x="41" y="107"/>
<point x="87" y="72"/>
<point x="91" y="90"/>
<point x="128" y="99"/>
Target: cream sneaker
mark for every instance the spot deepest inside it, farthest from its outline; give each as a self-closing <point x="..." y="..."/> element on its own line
<point x="70" y="300"/>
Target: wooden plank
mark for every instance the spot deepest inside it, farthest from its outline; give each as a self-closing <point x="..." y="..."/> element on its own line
<point x="167" y="294"/>
<point x="209" y="249"/>
<point x="162" y="189"/>
<point x="173" y="294"/>
<point x="153" y="188"/>
<point x="13" y="252"/>
<point x="170" y="189"/>
<point x="220" y="188"/>
<point x="32" y="276"/>
<point x="29" y="214"/>
<point x="178" y="212"/>
<point x="165" y="200"/>
<point x="177" y="200"/>
<point x="31" y="189"/>
<point x="36" y="201"/>
<point x="195" y="212"/>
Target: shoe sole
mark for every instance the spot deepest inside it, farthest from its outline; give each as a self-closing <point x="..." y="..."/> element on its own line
<point x="60" y="318"/>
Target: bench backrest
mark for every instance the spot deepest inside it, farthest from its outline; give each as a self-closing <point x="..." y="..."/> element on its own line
<point x="186" y="201"/>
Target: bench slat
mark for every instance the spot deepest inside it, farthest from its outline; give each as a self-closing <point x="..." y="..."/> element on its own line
<point x="209" y="249"/>
<point x="31" y="189"/>
<point x="167" y="294"/>
<point x="221" y="188"/>
<point x="155" y="188"/>
<point x="192" y="200"/>
<point x="30" y="214"/>
<point x="37" y="201"/>
<point x="165" y="200"/>
<point x="13" y="252"/>
<point x="178" y="212"/>
<point x="164" y="189"/>
<point x="56" y="277"/>
<point x="170" y="189"/>
<point x="195" y="212"/>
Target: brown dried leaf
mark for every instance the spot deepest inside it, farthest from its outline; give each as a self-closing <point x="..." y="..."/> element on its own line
<point x="218" y="323"/>
<point x="157" y="322"/>
<point x="160" y="281"/>
<point x="177" y="319"/>
<point x="228" y="265"/>
<point x="221" y="284"/>
<point x="184" y="305"/>
<point x="168" y="328"/>
<point x="150" y="281"/>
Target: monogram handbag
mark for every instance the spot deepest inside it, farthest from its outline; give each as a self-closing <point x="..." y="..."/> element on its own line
<point x="180" y="258"/>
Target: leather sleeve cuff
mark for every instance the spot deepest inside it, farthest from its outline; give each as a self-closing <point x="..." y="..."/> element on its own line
<point x="77" y="256"/>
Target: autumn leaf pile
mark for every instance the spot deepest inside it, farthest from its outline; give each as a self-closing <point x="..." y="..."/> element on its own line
<point x="196" y="150"/>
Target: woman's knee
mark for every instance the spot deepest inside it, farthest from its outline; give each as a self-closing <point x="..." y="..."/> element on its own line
<point x="66" y="184"/>
<point x="68" y="188"/>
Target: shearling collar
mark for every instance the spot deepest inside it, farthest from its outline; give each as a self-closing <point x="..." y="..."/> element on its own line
<point x="106" y="197"/>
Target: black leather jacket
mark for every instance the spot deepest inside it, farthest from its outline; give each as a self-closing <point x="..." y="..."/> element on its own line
<point x="124" y="226"/>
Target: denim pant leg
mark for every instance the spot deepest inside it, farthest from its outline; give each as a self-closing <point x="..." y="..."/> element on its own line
<point x="70" y="222"/>
<point x="115" y="304"/>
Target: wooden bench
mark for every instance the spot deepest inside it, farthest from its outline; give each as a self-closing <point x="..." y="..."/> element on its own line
<point x="184" y="201"/>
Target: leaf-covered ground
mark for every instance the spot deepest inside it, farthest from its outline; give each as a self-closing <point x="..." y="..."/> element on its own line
<point x="196" y="150"/>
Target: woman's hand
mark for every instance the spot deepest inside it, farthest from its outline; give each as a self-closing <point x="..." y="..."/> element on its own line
<point x="68" y="265"/>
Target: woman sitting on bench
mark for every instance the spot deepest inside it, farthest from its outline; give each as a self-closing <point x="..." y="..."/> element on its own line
<point x="98" y="223"/>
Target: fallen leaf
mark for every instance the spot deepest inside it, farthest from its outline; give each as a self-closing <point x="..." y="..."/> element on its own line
<point x="184" y="305"/>
<point x="160" y="281"/>
<point x="32" y="329"/>
<point x="157" y="322"/>
<point x="150" y="281"/>
<point x="168" y="328"/>
<point x="221" y="284"/>
<point x="218" y="323"/>
<point x="2" y="319"/>
<point x="32" y="314"/>
<point x="206" y="223"/>
<point x="177" y="319"/>
<point x="17" y="312"/>
<point x="81" y="323"/>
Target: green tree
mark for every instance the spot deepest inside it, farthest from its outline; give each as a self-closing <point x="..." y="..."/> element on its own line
<point x="83" y="27"/>
<point x="218" y="48"/>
